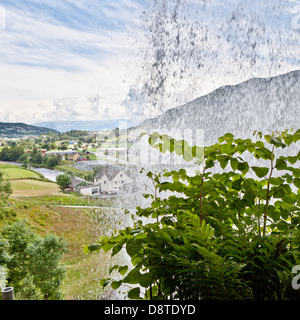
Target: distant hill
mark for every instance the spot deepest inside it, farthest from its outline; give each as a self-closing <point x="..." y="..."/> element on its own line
<point x="257" y="104"/>
<point x="9" y="129"/>
<point x="90" y="125"/>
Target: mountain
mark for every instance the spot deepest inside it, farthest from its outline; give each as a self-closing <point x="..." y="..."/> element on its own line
<point x="91" y="125"/>
<point x="8" y="129"/>
<point x="256" y="104"/>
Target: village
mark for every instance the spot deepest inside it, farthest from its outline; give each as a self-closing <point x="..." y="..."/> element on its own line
<point x="107" y="181"/>
<point x="66" y="152"/>
<point x="99" y="188"/>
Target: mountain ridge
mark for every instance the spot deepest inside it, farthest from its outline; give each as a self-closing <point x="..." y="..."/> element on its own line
<point x="256" y="104"/>
<point x="86" y="125"/>
<point x="16" y="129"/>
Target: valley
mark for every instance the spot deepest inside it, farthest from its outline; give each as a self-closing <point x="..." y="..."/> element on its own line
<point x="80" y="220"/>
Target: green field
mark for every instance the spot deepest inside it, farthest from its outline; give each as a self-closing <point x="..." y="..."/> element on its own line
<point x="67" y="199"/>
<point x="11" y="172"/>
<point x="41" y="203"/>
<point x="18" y="173"/>
<point x="31" y="187"/>
<point x="26" y="183"/>
<point x="79" y="226"/>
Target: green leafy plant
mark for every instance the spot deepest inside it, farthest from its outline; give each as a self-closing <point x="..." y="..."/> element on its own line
<point x="32" y="263"/>
<point x="63" y="180"/>
<point x="5" y="190"/>
<point x="4" y="259"/>
<point x="230" y="232"/>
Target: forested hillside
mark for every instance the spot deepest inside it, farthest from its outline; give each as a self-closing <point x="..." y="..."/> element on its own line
<point x="20" y="129"/>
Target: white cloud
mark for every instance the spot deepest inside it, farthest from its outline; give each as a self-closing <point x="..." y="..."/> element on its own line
<point x="45" y="62"/>
<point x="112" y="61"/>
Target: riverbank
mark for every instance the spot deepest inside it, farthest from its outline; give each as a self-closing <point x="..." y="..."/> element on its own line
<point x="49" y="174"/>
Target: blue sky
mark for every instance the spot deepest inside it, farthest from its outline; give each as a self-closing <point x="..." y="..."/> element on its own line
<point x="92" y="59"/>
<point x="47" y="31"/>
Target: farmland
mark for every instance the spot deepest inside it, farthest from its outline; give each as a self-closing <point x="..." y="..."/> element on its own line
<point x="29" y="187"/>
<point x="46" y="209"/>
<point x="12" y="172"/>
<point x="27" y="182"/>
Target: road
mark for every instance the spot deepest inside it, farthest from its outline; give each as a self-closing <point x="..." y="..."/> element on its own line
<point x="85" y="207"/>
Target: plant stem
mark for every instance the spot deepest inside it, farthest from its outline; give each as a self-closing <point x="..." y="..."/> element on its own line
<point x="201" y="197"/>
<point x="259" y="231"/>
<point x="268" y="196"/>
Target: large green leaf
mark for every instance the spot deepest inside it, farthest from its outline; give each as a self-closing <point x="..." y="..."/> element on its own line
<point x="276" y="181"/>
<point x="280" y="164"/>
<point x="277" y="143"/>
<point x="134" y="293"/>
<point x="225" y="148"/>
<point x="133" y="246"/>
<point x="297" y="182"/>
<point x="116" y="284"/>
<point x="123" y="269"/>
<point x="223" y="162"/>
<point x="234" y="163"/>
<point x="260" y="171"/>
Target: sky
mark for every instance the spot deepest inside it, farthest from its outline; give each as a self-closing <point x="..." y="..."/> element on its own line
<point x="106" y="59"/>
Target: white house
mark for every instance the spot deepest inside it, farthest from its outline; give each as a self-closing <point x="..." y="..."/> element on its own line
<point x="78" y="183"/>
<point x="90" y="190"/>
<point x="107" y="180"/>
<point x="111" y="179"/>
<point x="80" y="186"/>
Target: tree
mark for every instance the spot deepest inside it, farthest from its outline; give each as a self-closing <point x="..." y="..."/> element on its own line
<point x="33" y="263"/>
<point x="231" y="231"/>
<point x="46" y="146"/>
<point x="36" y="157"/>
<point x="25" y="164"/>
<point x="23" y="158"/>
<point x="63" y="180"/>
<point x="63" y="147"/>
<point x="5" y="189"/>
<point x="45" y="255"/>
<point x="5" y="192"/>
<point x="19" y="236"/>
<point x="11" y="154"/>
<point x="53" y="146"/>
<point x="52" y="161"/>
<point x="4" y="259"/>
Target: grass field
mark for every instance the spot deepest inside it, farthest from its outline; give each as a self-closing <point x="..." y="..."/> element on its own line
<point x="79" y="226"/>
<point x="11" y="172"/>
<point x="67" y="199"/>
<point x="30" y="187"/>
<point x="37" y="201"/>
<point x="84" y="272"/>
<point x="18" y="173"/>
<point x="26" y="183"/>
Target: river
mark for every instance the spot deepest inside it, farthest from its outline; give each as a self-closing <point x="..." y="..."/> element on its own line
<point x="47" y="173"/>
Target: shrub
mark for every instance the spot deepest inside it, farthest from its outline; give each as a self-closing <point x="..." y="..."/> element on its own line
<point x="231" y="231"/>
<point x="34" y="269"/>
